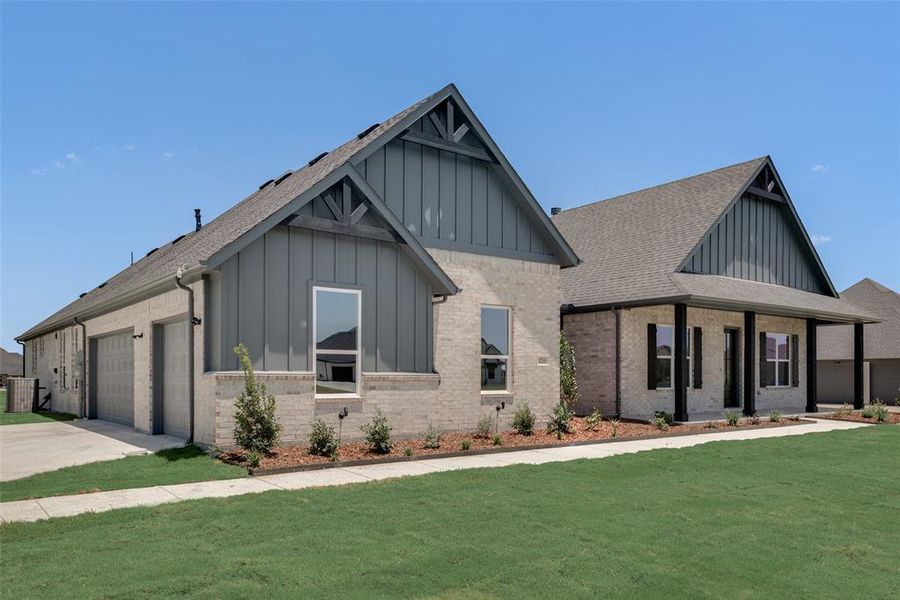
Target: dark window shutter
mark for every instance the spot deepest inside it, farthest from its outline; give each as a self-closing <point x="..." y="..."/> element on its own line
<point x="795" y="361"/>
<point x="651" y="356"/>
<point x="763" y="380"/>
<point x="698" y="358"/>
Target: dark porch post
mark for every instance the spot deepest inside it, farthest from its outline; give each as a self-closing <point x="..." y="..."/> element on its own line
<point x="857" y="365"/>
<point x="812" y="404"/>
<point x="750" y="362"/>
<point x="681" y="413"/>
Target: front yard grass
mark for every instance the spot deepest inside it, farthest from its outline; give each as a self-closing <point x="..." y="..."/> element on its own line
<point x="24" y="418"/>
<point x="177" y="465"/>
<point x="811" y="516"/>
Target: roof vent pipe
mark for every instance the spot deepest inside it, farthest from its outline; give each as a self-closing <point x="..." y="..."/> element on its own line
<point x="555" y="211"/>
<point x="197" y="219"/>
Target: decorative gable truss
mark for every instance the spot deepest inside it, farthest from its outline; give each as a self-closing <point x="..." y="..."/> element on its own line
<point x="446" y="128"/>
<point x="760" y="237"/>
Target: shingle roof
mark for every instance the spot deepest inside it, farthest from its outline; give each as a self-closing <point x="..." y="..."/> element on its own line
<point x="880" y="340"/>
<point x="632" y="245"/>
<point x="198" y="246"/>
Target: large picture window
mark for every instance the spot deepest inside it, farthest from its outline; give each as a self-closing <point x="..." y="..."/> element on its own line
<point x="777" y="369"/>
<point x="336" y="316"/>
<point x="494" y="349"/>
<point x="665" y="357"/>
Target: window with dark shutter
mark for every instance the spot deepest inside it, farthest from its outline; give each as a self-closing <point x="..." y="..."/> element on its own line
<point x="651" y="356"/>
<point x="698" y="358"/>
<point x="764" y="379"/>
<point x="795" y="363"/>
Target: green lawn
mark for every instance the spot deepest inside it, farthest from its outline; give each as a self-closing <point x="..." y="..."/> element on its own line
<point x="25" y="418"/>
<point x="813" y="516"/>
<point x="178" y="465"/>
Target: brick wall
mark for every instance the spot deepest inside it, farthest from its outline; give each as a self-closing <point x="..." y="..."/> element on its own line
<point x="593" y="336"/>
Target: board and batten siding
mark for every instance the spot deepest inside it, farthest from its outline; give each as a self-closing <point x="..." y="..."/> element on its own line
<point x="758" y="240"/>
<point x="451" y="201"/>
<point x="265" y="301"/>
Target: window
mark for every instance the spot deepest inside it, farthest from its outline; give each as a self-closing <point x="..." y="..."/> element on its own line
<point x="665" y="357"/>
<point x="494" y="349"/>
<point x="336" y="316"/>
<point x="777" y="370"/>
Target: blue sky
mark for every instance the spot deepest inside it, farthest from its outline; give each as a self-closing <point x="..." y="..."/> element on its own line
<point x="119" y="119"/>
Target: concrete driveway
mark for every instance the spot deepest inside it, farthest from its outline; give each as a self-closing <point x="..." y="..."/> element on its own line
<point x="39" y="447"/>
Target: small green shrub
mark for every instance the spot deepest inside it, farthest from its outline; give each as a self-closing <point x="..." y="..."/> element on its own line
<point x="732" y="418"/>
<point x="568" y="384"/>
<point x="615" y="427"/>
<point x="433" y="437"/>
<point x="774" y="416"/>
<point x="844" y="410"/>
<point x="323" y="440"/>
<point x="593" y="420"/>
<point x="484" y="427"/>
<point x="560" y="420"/>
<point x="378" y="433"/>
<point x="897" y="401"/>
<point x="665" y="416"/>
<point x="407" y="451"/>
<point x="876" y="410"/>
<point x="711" y="425"/>
<point x="498" y="441"/>
<point x="660" y="423"/>
<point x="253" y="458"/>
<point x="255" y="426"/>
<point x="466" y="444"/>
<point x="523" y="420"/>
<point x="754" y="420"/>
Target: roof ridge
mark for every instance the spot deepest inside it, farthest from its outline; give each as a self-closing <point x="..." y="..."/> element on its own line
<point x="660" y="185"/>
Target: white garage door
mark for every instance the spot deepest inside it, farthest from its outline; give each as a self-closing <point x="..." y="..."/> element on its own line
<point x="172" y="383"/>
<point x="113" y="378"/>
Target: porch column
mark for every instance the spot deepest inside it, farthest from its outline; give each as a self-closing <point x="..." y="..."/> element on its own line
<point x="750" y="362"/>
<point x="680" y="375"/>
<point x="812" y="403"/>
<point x="858" y="358"/>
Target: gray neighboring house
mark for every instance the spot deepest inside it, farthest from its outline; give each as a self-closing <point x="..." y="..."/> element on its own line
<point x="881" y="348"/>
<point x="697" y="296"/>
<point x="372" y="277"/>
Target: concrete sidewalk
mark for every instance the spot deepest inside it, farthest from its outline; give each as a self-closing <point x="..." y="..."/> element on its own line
<point x="64" y="506"/>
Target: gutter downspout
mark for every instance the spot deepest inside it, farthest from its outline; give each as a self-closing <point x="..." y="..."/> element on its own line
<point x="84" y="365"/>
<point x="20" y="342"/>
<point x="190" y="322"/>
<point x="617" y="312"/>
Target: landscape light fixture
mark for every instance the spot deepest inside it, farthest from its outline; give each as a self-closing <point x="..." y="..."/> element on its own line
<point x="500" y="407"/>
<point x="343" y="413"/>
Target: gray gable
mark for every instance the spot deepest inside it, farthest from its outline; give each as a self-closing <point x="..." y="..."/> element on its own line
<point x="880" y="340"/>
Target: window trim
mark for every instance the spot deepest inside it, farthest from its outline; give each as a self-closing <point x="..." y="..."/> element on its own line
<point x="358" y="352"/>
<point x="507" y="357"/>
<point x="689" y="355"/>
<point x="777" y="359"/>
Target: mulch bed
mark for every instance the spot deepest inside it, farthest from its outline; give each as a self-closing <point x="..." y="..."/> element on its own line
<point x="297" y="458"/>
<point x="893" y="418"/>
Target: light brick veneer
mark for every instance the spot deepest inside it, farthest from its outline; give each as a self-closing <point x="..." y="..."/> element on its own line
<point x="593" y="336"/>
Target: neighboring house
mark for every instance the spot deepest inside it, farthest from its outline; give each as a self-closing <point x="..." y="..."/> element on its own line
<point x="697" y="296"/>
<point x="365" y="279"/>
<point x="10" y="365"/>
<point x="881" y="348"/>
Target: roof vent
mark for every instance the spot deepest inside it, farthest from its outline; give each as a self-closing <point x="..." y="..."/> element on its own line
<point x="367" y="131"/>
<point x="266" y="183"/>
<point x="555" y="211"/>
<point x="316" y="159"/>
<point x="283" y="177"/>
<point x="178" y="239"/>
<point x="151" y="252"/>
<point x="82" y="294"/>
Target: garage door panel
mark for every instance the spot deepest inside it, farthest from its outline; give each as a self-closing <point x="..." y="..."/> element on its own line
<point x="173" y="379"/>
<point x="113" y="395"/>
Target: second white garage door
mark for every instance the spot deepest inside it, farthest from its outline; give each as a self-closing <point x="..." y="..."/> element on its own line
<point x="112" y="392"/>
<point x="171" y="383"/>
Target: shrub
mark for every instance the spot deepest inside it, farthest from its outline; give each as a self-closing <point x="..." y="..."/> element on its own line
<point x="498" y="441"/>
<point x="255" y="427"/>
<point x="407" y="451"/>
<point x="732" y="418"/>
<point x="593" y="420"/>
<point x="754" y="420"/>
<point x="568" y="386"/>
<point x="433" y="437"/>
<point x="897" y="401"/>
<point x="665" y="416"/>
<point x="774" y="416"/>
<point x="560" y="420"/>
<point x="466" y="444"/>
<point x="253" y="458"/>
<point x="660" y="423"/>
<point x="523" y="420"/>
<point x="378" y="433"/>
<point x="844" y="410"/>
<point x="615" y="427"/>
<point x="711" y="425"/>
<point x="484" y="427"/>
<point x="322" y="439"/>
<point x="877" y="410"/>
